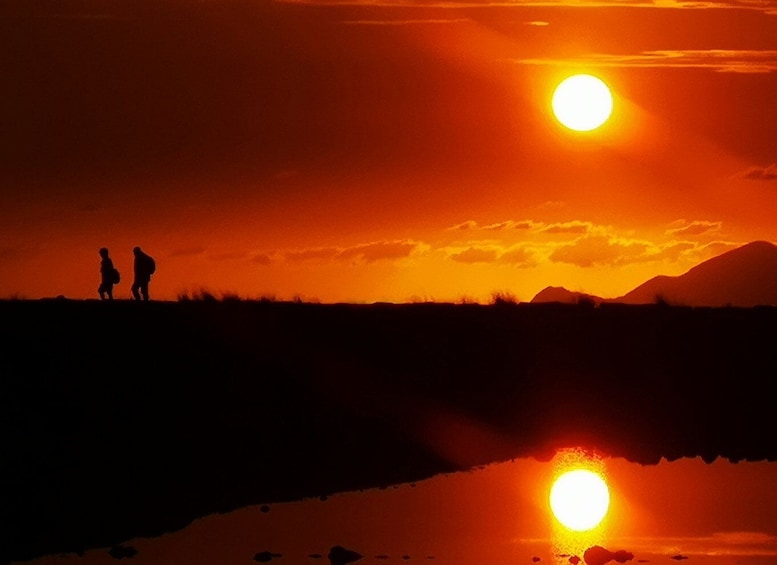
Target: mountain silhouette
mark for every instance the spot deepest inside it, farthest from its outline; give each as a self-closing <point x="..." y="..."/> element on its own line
<point x="564" y="296"/>
<point x="744" y="277"/>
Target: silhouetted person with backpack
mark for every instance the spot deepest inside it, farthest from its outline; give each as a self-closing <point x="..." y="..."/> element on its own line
<point x="145" y="266"/>
<point x="109" y="276"/>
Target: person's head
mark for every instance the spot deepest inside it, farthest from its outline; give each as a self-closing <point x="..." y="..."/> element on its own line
<point x="136" y="250"/>
<point x="104" y="252"/>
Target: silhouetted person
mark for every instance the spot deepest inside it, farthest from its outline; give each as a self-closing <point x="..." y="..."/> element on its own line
<point x="144" y="267"/>
<point x="107" y="275"/>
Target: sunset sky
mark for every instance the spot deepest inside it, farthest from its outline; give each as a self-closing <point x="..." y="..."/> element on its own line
<point x="378" y="150"/>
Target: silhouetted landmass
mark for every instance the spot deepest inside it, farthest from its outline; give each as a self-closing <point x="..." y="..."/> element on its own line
<point x="563" y="296"/>
<point x="122" y="552"/>
<point x="125" y="419"/>
<point x="598" y="555"/>
<point x="745" y="277"/>
<point x="338" y="555"/>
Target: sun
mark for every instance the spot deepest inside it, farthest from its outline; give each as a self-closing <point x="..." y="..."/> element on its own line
<point x="580" y="499"/>
<point x="582" y="102"/>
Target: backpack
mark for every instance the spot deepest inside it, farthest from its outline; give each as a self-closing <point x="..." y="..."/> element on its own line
<point x="115" y="276"/>
<point x="151" y="265"/>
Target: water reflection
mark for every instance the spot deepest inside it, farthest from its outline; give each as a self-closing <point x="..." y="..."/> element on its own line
<point x="717" y="514"/>
<point x="569" y="545"/>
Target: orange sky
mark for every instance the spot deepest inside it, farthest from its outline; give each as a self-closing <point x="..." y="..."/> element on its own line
<point x="379" y="151"/>
<point x="717" y="514"/>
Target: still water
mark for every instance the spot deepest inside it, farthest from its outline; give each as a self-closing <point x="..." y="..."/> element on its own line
<point x="718" y="513"/>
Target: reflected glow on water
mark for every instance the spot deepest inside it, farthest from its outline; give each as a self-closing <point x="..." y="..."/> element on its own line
<point x="567" y="542"/>
<point x="716" y="514"/>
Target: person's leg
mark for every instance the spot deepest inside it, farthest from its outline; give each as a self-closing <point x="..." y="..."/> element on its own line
<point x="134" y="289"/>
<point x="144" y="290"/>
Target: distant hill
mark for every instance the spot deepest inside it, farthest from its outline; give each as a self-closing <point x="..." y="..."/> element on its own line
<point x="745" y="277"/>
<point x="564" y="296"/>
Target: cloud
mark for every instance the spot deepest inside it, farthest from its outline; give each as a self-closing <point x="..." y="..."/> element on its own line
<point x="476" y="255"/>
<point x="498" y="226"/>
<point x="504" y="225"/>
<point x="694" y="228"/>
<point x="768" y="173"/>
<point x="581" y="243"/>
<point x="599" y="250"/>
<point x="465" y="226"/>
<point x="718" y="60"/>
<point x="518" y="256"/>
<point x="574" y="227"/>
<point x="370" y="252"/>
<point x="312" y="254"/>
<point x="367" y="252"/>
<point x="714" y="248"/>
<point x="227" y="256"/>
<point x="673" y="251"/>
<point x="261" y="259"/>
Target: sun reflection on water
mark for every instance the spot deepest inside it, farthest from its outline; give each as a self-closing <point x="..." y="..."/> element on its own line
<point x="570" y="545"/>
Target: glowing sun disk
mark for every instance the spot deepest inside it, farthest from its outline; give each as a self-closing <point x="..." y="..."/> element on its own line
<point x="580" y="499"/>
<point x="582" y="102"/>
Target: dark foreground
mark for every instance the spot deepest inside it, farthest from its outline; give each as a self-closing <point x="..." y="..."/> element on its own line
<point x="122" y="419"/>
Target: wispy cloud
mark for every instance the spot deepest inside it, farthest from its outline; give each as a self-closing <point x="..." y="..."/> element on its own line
<point x="529" y="243"/>
<point x="379" y="250"/>
<point x="261" y="259"/>
<point x="574" y="227"/>
<point x="694" y="228"/>
<point x="518" y="257"/>
<point x="718" y="60"/>
<point x="768" y="173"/>
<point x="228" y="256"/>
<point x="464" y="226"/>
<point x="600" y="250"/>
<point x="472" y="225"/>
<point x="515" y="256"/>
<point x="570" y="227"/>
<point x="476" y="255"/>
<point x="311" y="254"/>
<point x="366" y="252"/>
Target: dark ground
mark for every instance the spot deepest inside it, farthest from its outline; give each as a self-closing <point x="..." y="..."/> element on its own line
<point x="123" y="419"/>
